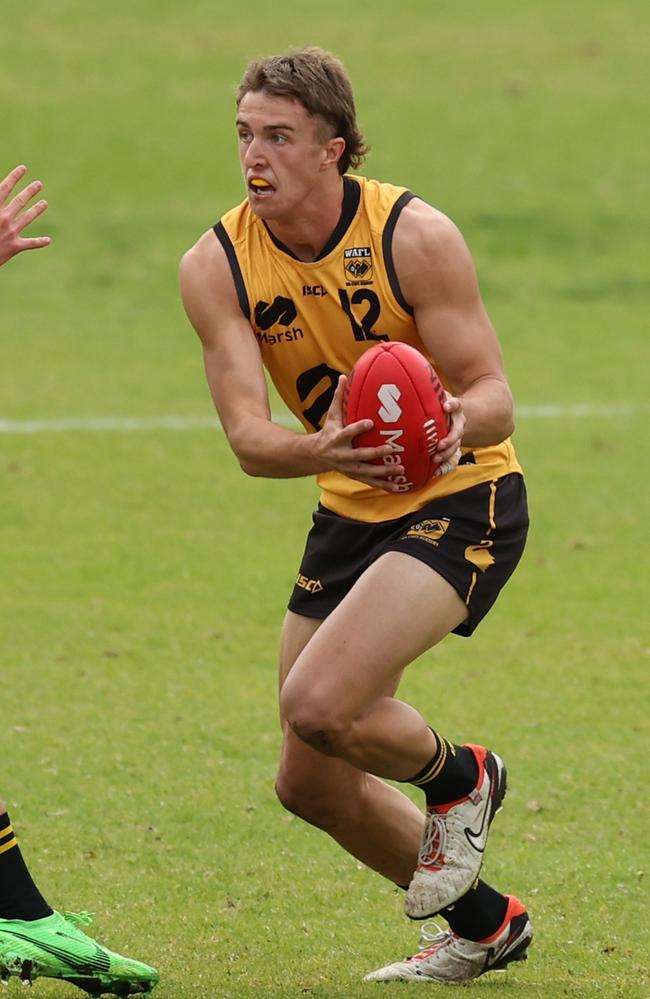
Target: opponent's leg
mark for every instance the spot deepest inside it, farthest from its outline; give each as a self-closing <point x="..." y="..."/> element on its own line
<point x="19" y="896"/>
<point x="37" y="942"/>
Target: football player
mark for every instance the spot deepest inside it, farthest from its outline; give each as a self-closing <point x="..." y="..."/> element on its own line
<point x="314" y="266"/>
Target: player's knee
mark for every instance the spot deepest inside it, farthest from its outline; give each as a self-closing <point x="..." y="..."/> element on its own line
<point x="315" y="720"/>
<point x="322" y="731"/>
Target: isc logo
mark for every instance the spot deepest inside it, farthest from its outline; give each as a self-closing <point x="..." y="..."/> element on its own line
<point x="311" y="585"/>
<point x="390" y="411"/>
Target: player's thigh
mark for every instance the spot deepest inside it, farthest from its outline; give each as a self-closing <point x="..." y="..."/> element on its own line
<point x="297" y="632"/>
<point x="397" y="609"/>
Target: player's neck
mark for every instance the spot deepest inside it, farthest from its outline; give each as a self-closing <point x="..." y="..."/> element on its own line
<point x="312" y="223"/>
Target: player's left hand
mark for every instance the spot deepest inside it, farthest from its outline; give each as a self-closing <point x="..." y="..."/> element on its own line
<point x="13" y="219"/>
<point x="448" y="451"/>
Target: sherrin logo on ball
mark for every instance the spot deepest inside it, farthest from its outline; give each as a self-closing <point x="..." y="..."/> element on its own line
<point x="395" y="386"/>
<point x="388" y="395"/>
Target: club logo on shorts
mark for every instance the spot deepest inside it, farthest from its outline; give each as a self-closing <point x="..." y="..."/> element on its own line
<point x="480" y="555"/>
<point x="428" y="530"/>
<point x="357" y="264"/>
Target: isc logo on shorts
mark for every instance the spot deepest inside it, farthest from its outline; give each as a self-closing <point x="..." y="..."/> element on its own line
<point x="311" y="585"/>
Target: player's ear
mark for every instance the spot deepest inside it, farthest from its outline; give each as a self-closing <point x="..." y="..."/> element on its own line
<point x="333" y="150"/>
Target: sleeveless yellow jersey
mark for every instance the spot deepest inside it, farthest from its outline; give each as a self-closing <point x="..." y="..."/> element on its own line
<point x="313" y="320"/>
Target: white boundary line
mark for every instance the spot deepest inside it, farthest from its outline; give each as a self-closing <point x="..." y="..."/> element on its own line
<point x="128" y="424"/>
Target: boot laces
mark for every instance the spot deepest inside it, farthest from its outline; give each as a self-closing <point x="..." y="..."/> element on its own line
<point x="432" y="938"/>
<point x="433" y="841"/>
<point x="431" y="932"/>
<point x="78" y="918"/>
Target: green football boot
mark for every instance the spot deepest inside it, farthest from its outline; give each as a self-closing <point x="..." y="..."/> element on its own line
<point x="55" y="947"/>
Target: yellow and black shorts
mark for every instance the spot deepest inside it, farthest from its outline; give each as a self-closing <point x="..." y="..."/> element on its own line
<point x="473" y="539"/>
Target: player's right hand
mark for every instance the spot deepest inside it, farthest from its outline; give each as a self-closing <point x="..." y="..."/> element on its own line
<point x="334" y="447"/>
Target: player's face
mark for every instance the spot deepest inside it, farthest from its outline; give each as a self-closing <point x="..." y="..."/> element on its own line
<point x="283" y="159"/>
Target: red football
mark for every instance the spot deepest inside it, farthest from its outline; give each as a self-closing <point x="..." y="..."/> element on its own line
<point x="394" y="385"/>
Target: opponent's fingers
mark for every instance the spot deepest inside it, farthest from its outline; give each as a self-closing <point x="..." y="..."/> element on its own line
<point x="21" y="199"/>
<point x="32" y="213"/>
<point x="10" y="181"/>
<point x="33" y="243"/>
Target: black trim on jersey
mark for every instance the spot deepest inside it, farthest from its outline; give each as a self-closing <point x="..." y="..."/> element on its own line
<point x="387" y="247"/>
<point x="237" y="277"/>
<point x="351" y="199"/>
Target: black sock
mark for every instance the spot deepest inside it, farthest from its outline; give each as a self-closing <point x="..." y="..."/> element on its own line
<point x="478" y="914"/>
<point x="451" y="773"/>
<point x="19" y="896"/>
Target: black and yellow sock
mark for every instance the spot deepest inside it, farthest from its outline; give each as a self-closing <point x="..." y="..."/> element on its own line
<point x="478" y="914"/>
<point x="19" y="896"/>
<point x="451" y="773"/>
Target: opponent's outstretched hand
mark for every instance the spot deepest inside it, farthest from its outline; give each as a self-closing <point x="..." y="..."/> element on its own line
<point x="334" y="444"/>
<point x="13" y="218"/>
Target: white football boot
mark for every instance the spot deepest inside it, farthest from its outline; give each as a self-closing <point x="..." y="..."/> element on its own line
<point x="450" y="958"/>
<point x="453" y="841"/>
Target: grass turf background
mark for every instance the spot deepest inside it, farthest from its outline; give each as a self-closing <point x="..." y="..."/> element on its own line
<point x="143" y="578"/>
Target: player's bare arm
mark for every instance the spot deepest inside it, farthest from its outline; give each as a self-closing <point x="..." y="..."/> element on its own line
<point x="438" y="278"/>
<point x="236" y="379"/>
<point x="15" y="216"/>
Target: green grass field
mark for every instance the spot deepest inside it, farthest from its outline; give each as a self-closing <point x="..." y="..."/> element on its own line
<point x="144" y="578"/>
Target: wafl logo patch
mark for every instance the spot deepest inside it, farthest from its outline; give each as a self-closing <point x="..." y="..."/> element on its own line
<point x="357" y="263"/>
